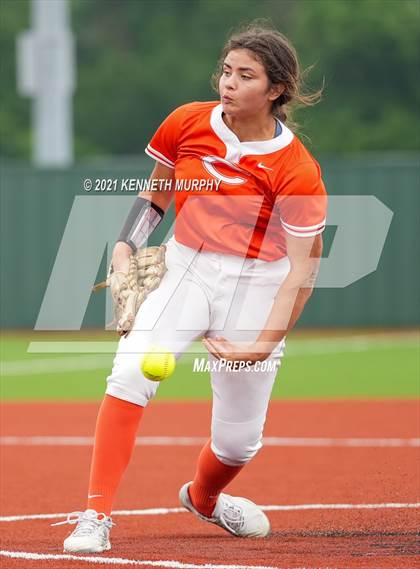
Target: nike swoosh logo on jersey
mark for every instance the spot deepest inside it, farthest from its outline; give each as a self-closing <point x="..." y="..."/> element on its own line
<point x="95" y="496"/>
<point x="261" y="165"/>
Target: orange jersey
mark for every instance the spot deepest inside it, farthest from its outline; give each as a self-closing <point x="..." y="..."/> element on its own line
<point x="235" y="197"/>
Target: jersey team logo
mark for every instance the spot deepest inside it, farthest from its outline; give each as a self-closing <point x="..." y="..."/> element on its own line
<point x="210" y="164"/>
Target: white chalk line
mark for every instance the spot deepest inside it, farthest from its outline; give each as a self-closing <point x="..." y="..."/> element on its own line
<point x="312" y="346"/>
<point x="100" y="352"/>
<point x="124" y="561"/>
<point x="267" y="508"/>
<point x="354" y="442"/>
<point x="56" y="365"/>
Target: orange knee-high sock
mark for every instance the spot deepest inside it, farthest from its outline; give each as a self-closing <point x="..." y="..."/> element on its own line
<point x="210" y="479"/>
<point x="115" y="436"/>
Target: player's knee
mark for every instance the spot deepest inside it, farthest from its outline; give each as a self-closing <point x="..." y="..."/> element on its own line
<point x="127" y="382"/>
<point x="233" y="446"/>
<point x="237" y="456"/>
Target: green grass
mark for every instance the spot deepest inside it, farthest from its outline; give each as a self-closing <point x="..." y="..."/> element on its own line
<point x="343" y="365"/>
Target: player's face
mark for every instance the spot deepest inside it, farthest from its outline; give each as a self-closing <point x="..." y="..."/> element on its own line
<point x="244" y="86"/>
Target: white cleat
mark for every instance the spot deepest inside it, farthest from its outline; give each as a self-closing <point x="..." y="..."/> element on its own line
<point x="91" y="534"/>
<point x="238" y="516"/>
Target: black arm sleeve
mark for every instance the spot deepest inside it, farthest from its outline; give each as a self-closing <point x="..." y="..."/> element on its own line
<point x="142" y="220"/>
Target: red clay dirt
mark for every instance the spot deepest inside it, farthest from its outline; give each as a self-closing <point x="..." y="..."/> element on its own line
<point x="52" y="479"/>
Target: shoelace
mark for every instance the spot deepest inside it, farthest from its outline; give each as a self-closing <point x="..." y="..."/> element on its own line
<point x="233" y="515"/>
<point x="86" y="522"/>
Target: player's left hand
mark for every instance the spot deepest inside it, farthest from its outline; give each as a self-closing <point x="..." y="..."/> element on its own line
<point x="221" y="348"/>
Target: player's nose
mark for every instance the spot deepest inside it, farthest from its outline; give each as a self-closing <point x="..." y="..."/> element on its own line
<point x="230" y="82"/>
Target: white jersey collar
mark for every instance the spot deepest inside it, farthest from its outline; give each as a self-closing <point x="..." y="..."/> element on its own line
<point x="235" y="149"/>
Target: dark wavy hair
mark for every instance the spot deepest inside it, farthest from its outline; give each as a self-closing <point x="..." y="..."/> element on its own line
<point x="279" y="58"/>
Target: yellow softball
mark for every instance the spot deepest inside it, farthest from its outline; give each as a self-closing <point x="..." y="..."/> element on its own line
<point x="158" y="364"/>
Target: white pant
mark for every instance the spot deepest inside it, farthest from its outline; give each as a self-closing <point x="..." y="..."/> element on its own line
<point x="218" y="295"/>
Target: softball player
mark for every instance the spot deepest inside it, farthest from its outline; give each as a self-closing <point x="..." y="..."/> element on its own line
<point x="250" y="209"/>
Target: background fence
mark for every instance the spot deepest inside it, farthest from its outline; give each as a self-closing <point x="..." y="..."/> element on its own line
<point x="35" y="205"/>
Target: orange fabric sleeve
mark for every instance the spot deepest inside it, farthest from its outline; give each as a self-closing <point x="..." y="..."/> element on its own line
<point x="163" y="146"/>
<point x="302" y="201"/>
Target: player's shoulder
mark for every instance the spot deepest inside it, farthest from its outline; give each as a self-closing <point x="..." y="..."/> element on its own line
<point x="299" y="159"/>
<point x="200" y="106"/>
<point x="297" y="171"/>
<point x="186" y="117"/>
<point x="196" y="108"/>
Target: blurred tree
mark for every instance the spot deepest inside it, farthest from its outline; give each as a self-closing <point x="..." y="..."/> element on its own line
<point x="14" y="110"/>
<point x="368" y="53"/>
<point x="137" y="60"/>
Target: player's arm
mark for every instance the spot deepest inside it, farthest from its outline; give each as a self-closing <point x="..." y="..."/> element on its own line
<point x="304" y="254"/>
<point x="159" y="204"/>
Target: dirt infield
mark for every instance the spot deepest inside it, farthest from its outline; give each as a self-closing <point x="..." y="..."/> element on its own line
<point x="339" y="481"/>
